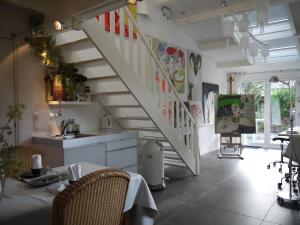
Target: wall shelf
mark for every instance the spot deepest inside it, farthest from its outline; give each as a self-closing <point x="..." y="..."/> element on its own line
<point x="53" y="103"/>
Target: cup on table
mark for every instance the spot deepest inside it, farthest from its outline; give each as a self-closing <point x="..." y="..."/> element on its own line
<point x="74" y="172"/>
<point x="36" y="164"/>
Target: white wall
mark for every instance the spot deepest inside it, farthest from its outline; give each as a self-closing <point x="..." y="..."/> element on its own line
<point x="31" y="87"/>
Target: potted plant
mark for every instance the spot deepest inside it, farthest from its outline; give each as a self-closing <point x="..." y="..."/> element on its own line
<point x="8" y="155"/>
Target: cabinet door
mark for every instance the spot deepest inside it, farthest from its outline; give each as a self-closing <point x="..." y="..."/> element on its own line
<point x="122" y="158"/>
<point x="92" y="154"/>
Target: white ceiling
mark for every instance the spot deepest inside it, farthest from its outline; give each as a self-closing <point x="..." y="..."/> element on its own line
<point x="282" y="33"/>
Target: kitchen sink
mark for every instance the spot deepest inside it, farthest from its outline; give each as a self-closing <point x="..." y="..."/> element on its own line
<point x="84" y="135"/>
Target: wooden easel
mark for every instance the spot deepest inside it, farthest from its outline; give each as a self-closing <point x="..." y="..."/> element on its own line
<point x="231" y="140"/>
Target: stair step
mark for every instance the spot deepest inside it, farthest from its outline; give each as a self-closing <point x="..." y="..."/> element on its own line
<point x="124" y="106"/>
<point x="150" y="129"/>
<point x="90" y="61"/>
<point x="133" y="118"/>
<point x="159" y="139"/>
<point x="67" y="44"/>
<point x="112" y="77"/>
<point x="174" y="162"/>
<point x="171" y="155"/>
<point x="112" y="93"/>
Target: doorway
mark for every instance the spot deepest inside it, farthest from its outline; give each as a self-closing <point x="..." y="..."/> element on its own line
<point x="272" y="105"/>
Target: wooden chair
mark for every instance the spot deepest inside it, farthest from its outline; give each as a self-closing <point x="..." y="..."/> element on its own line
<point x="96" y="199"/>
<point x="24" y="159"/>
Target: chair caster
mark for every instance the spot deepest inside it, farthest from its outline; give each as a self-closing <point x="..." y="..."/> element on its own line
<point x="280" y="201"/>
<point x="274" y="164"/>
<point x="280" y="170"/>
<point x="287" y="180"/>
<point x="268" y="167"/>
<point x="279" y="186"/>
<point x="296" y="191"/>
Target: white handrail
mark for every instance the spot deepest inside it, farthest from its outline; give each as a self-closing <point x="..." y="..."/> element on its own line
<point x="164" y="73"/>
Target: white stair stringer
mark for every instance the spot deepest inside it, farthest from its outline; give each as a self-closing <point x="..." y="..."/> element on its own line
<point x="108" y="49"/>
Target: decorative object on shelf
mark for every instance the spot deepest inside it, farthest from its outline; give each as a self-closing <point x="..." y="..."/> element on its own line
<point x="8" y="155"/>
<point x="209" y="93"/>
<point x="190" y="95"/>
<point x="62" y="80"/>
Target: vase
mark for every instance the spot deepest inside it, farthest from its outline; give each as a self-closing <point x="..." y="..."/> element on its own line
<point x="2" y="184"/>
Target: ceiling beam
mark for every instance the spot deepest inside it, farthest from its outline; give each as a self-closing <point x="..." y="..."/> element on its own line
<point x="161" y="2"/>
<point x="240" y="7"/>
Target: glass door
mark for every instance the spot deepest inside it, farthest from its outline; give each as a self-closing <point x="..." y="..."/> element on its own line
<point x="258" y="90"/>
<point x="280" y="106"/>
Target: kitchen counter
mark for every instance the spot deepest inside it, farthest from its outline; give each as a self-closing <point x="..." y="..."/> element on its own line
<point x="87" y="138"/>
<point x="110" y="148"/>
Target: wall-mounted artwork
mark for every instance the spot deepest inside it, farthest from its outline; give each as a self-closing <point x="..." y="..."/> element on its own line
<point x="195" y="108"/>
<point x="194" y="66"/>
<point x="208" y="95"/>
<point x="235" y="114"/>
<point x="173" y="59"/>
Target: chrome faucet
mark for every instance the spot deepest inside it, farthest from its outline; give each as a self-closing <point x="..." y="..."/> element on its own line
<point x="64" y="124"/>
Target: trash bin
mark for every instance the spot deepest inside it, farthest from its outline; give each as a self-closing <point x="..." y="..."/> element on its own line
<point x="153" y="165"/>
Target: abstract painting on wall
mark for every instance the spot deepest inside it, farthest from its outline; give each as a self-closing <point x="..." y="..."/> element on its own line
<point x="208" y="95"/>
<point x="235" y="114"/>
<point x="195" y="108"/>
<point x="173" y="60"/>
<point x="194" y="66"/>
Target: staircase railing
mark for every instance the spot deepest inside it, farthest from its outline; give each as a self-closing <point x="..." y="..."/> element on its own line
<point x="136" y="49"/>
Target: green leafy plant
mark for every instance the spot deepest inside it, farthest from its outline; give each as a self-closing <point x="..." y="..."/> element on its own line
<point x="8" y="155"/>
<point x="50" y="55"/>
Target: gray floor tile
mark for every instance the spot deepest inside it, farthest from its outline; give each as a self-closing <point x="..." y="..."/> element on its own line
<point x="238" y="201"/>
<point x="192" y="214"/>
<point x="289" y="214"/>
<point x="227" y="191"/>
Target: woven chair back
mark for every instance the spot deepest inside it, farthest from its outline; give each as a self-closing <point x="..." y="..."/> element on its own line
<point x="96" y="199"/>
<point x="24" y="160"/>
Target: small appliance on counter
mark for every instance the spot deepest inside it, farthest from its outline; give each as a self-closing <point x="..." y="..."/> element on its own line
<point x="106" y="122"/>
<point x="69" y="128"/>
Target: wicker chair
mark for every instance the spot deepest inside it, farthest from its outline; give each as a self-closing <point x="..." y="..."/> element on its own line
<point x="96" y="199"/>
<point x="24" y="155"/>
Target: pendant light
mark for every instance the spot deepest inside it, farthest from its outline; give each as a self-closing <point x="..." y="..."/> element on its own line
<point x="228" y="30"/>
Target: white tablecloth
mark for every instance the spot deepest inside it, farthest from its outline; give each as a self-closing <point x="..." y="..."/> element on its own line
<point x="24" y="205"/>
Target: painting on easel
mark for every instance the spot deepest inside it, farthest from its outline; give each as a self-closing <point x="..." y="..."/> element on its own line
<point x="235" y="114"/>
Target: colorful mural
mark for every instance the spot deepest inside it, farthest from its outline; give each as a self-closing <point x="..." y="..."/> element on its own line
<point x="173" y="59"/>
<point x="235" y="114"/>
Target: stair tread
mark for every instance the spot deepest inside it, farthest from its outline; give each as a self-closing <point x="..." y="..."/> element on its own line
<point x="111" y="77"/>
<point x="133" y="118"/>
<point x="174" y="162"/>
<point x="112" y="93"/>
<point x="144" y="129"/>
<point x="67" y="44"/>
<point x="123" y="106"/>
<point x="153" y="138"/>
<point x="89" y="61"/>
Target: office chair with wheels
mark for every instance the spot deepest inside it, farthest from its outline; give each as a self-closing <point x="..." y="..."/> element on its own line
<point x="281" y="161"/>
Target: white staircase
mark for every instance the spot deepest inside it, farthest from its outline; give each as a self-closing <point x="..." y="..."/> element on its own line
<point x="121" y="73"/>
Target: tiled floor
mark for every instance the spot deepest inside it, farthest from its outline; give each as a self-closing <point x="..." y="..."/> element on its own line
<point x="227" y="192"/>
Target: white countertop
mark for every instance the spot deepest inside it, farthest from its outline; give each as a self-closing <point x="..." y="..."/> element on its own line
<point x="95" y="138"/>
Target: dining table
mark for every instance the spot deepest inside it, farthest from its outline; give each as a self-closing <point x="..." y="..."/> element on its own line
<point x="23" y="204"/>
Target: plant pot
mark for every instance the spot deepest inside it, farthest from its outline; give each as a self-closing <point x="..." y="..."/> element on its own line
<point x="2" y="184"/>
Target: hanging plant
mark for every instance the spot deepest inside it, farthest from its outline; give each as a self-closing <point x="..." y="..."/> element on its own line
<point x="44" y="48"/>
